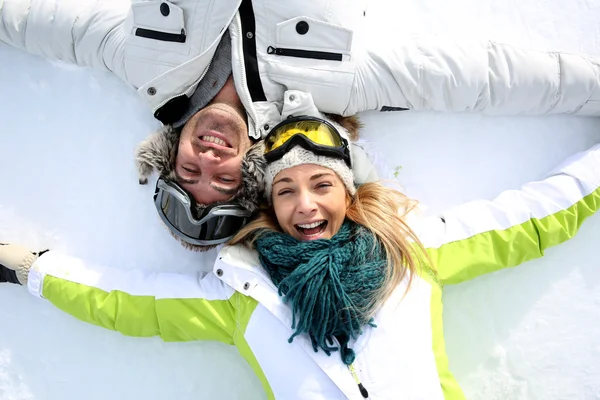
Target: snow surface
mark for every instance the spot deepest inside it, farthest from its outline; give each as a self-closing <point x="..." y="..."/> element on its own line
<point x="67" y="181"/>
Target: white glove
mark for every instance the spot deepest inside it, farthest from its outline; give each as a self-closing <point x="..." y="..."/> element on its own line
<point x="19" y="259"/>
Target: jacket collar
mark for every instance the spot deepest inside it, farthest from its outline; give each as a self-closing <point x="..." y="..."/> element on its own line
<point x="239" y="267"/>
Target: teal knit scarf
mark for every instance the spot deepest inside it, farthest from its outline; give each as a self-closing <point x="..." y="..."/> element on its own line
<point x="330" y="285"/>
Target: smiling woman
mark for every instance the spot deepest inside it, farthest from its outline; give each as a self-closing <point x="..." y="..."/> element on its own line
<point x="310" y="201"/>
<point x="371" y="275"/>
<point x="334" y="318"/>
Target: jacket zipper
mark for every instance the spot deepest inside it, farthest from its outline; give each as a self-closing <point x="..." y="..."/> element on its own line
<point x="363" y="390"/>
<point x="162" y="36"/>
<point x="250" y="107"/>
<point x="318" y="55"/>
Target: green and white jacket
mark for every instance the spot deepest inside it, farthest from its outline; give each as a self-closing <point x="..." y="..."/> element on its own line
<point x="403" y="358"/>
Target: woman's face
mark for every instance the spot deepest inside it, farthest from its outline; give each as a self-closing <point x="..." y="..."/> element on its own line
<point x="310" y="202"/>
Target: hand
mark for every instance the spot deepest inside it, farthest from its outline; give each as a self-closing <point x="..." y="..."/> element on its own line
<point x="15" y="262"/>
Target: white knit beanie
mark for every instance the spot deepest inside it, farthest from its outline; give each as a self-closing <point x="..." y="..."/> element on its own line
<point x="298" y="155"/>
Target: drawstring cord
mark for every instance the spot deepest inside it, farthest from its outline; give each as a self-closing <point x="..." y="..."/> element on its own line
<point x="362" y="389"/>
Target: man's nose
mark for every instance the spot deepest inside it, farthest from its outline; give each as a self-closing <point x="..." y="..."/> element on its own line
<point x="208" y="158"/>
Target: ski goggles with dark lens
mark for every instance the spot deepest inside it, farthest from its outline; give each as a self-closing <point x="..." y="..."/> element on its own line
<point x="216" y="224"/>
<point x="314" y="134"/>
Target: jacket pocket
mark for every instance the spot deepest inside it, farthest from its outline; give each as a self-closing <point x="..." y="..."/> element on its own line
<point x="313" y="56"/>
<point x="157" y="42"/>
<point x="159" y="20"/>
<point x="305" y="37"/>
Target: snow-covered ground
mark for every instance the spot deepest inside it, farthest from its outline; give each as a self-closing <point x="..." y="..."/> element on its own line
<point x="67" y="181"/>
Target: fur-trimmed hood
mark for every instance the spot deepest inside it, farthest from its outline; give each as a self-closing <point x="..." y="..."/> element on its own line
<point x="157" y="153"/>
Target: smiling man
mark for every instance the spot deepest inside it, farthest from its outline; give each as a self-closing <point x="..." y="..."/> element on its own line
<point x="211" y="148"/>
<point x="207" y="187"/>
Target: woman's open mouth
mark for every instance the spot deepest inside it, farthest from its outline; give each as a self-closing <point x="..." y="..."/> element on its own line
<point x="311" y="230"/>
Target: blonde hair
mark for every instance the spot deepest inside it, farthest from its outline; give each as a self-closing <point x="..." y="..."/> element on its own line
<point x="379" y="209"/>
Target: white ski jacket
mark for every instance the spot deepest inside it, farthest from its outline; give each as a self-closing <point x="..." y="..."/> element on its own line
<point x="402" y="358"/>
<point x="163" y="48"/>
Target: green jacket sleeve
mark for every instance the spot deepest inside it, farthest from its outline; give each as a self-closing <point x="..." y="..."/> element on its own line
<point x="176" y="307"/>
<point x="484" y="236"/>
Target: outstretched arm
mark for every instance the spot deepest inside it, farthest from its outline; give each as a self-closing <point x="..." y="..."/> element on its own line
<point x="443" y="75"/>
<point x="83" y="32"/>
<point x="484" y="236"/>
<point x="176" y="307"/>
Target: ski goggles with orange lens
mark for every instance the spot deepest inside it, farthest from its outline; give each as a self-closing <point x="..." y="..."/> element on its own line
<point x="314" y="134"/>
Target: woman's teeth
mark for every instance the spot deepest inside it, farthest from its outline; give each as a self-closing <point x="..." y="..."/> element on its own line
<point x="216" y="140"/>
<point x="312" y="225"/>
<point x="312" y="229"/>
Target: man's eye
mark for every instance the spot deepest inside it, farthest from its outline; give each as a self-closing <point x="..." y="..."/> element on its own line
<point x="191" y="171"/>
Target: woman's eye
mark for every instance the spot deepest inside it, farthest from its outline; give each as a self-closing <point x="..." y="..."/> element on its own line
<point x="191" y="171"/>
<point x="323" y="185"/>
<point x="226" y="180"/>
<point x="284" y="191"/>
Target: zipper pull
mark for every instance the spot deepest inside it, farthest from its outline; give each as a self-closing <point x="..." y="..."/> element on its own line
<point x="274" y="50"/>
<point x="363" y="390"/>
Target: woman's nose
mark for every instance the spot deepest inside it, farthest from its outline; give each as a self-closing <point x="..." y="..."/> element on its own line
<point x="306" y="204"/>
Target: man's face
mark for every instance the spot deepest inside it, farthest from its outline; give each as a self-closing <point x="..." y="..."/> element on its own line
<point x="211" y="148"/>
